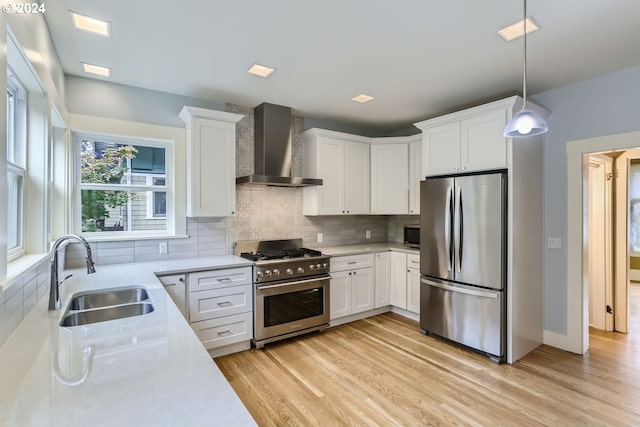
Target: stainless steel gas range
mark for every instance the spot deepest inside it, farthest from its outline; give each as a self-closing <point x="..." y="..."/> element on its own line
<point x="291" y="288"/>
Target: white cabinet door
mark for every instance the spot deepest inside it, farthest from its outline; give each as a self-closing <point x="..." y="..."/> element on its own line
<point x="413" y="290"/>
<point x="176" y="287"/>
<point x="383" y="279"/>
<point x="211" y="162"/>
<point x="441" y="149"/>
<point x="362" y="290"/>
<point x="340" y="294"/>
<point x="356" y="178"/>
<point x="398" y="294"/>
<point x="483" y="145"/>
<point x="415" y="176"/>
<point x="389" y="179"/>
<point x="330" y="160"/>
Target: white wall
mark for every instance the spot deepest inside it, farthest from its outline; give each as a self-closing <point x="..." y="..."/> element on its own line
<point x="602" y="106"/>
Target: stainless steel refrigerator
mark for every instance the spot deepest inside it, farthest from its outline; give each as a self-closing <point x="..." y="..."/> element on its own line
<point x="463" y="260"/>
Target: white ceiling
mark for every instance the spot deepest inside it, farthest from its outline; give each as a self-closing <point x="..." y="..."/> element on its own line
<point x="418" y="58"/>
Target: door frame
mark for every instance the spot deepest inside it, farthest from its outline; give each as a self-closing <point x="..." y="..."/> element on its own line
<point x="577" y="337"/>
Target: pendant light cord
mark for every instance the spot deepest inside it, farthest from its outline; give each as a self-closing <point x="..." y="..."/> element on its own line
<point x="524" y="60"/>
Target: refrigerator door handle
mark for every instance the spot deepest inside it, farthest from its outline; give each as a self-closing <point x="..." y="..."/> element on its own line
<point x="477" y="293"/>
<point x="448" y="213"/>
<point x="460" y="228"/>
<point x="457" y="229"/>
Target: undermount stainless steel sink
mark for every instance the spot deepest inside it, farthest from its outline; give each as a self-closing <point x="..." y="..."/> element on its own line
<point x="106" y="304"/>
<point x="107" y="298"/>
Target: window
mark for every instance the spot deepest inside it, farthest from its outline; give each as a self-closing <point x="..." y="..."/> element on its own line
<point x="123" y="185"/>
<point x="16" y="164"/>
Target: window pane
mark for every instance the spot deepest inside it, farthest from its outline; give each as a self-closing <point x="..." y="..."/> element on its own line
<point x="117" y="211"/>
<point x="113" y="163"/>
<point x="14" y="211"/>
<point x="159" y="199"/>
<point x="11" y="148"/>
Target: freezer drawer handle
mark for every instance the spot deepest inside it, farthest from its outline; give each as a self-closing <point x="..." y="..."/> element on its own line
<point x="483" y="294"/>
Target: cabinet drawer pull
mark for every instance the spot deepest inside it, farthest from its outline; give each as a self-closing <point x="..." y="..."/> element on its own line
<point x="225" y="304"/>
<point x="415" y="262"/>
<point x="352" y="262"/>
<point x="224" y="332"/>
<point x="224" y="279"/>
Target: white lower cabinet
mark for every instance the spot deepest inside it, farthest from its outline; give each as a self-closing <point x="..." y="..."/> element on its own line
<point x="405" y="281"/>
<point x="352" y="285"/>
<point x="220" y="308"/>
<point x="383" y="279"/>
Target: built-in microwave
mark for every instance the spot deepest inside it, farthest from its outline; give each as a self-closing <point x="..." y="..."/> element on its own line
<point x="412" y="235"/>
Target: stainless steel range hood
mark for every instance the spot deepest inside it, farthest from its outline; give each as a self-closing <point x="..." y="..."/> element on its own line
<point x="272" y="149"/>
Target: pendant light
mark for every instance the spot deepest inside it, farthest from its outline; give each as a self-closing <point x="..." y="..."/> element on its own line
<point x="526" y="122"/>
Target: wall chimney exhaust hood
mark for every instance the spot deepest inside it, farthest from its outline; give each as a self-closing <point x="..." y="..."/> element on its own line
<point x="272" y="149"/>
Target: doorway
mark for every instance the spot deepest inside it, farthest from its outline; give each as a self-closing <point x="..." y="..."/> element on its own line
<point x="577" y="337"/>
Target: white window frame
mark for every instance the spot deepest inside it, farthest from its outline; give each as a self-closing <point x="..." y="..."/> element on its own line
<point x="169" y="186"/>
<point x="16" y="154"/>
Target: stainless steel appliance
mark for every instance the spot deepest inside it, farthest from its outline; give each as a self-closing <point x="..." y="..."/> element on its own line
<point x="291" y="288"/>
<point x="463" y="260"/>
<point x="412" y="235"/>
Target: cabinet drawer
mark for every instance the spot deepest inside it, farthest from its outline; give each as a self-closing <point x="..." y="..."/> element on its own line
<point x="413" y="261"/>
<point x="351" y="262"/>
<point x="214" y="303"/>
<point x="222" y="278"/>
<point x="224" y="330"/>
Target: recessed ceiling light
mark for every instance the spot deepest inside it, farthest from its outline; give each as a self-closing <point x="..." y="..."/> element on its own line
<point x="515" y="31"/>
<point x="260" y="70"/>
<point x="96" y="69"/>
<point x="94" y="25"/>
<point x="362" y="98"/>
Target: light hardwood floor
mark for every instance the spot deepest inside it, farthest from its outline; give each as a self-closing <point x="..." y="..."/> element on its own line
<point x="382" y="371"/>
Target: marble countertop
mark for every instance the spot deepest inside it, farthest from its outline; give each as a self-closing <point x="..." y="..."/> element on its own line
<point x="149" y="370"/>
<point x="368" y="248"/>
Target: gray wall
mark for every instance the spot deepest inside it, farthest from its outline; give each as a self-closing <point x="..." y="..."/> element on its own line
<point x="602" y="106"/>
<point x="104" y="99"/>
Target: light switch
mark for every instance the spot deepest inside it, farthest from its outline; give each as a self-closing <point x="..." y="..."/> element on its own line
<point x="554" y="243"/>
<point x="367" y="234"/>
<point x="320" y="238"/>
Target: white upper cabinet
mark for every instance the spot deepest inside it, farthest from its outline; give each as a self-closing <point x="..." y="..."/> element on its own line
<point x="482" y="145"/>
<point x="342" y="162"/>
<point x="389" y="179"/>
<point x="415" y="176"/>
<point x="211" y="161"/>
<point x="441" y="149"/>
<point x="466" y="141"/>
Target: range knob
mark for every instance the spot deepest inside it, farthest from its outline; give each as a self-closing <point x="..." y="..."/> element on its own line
<point x="267" y="272"/>
<point x="276" y="272"/>
<point x="300" y="270"/>
<point x="311" y="267"/>
<point x="289" y="271"/>
<point x="259" y="273"/>
<point x="325" y="265"/>
<point x="318" y="266"/>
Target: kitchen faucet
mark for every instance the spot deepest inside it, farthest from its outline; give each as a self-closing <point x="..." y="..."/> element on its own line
<point x="54" y="289"/>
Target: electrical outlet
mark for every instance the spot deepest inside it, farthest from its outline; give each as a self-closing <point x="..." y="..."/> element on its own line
<point x="162" y="247"/>
<point x="320" y="238"/>
<point x="367" y="234"/>
<point x="554" y="243"/>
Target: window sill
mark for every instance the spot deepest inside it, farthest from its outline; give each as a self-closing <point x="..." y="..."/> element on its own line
<point x="118" y="236"/>
<point x="18" y="267"/>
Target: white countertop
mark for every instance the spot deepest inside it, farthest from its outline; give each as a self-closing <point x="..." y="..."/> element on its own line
<point x="368" y="248"/>
<point x="148" y="370"/>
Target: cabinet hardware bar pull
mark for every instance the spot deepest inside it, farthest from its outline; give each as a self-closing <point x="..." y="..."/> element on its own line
<point x="351" y="262"/>
<point x="224" y="332"/>
<point x="225" y="303"/>
<point x="224" y="279"/>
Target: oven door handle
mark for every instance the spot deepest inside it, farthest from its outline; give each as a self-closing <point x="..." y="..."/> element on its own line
<point x="294" y="283"/>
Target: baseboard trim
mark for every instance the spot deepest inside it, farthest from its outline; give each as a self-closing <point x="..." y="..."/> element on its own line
<point x="406" y="313"/>
<point x="358" y="316"/>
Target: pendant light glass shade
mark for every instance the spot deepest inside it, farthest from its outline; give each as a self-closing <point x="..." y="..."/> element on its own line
<point x="526" y="122"/>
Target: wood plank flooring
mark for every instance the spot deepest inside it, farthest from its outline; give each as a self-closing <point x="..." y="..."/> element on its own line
<point x="382" y="371"/>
